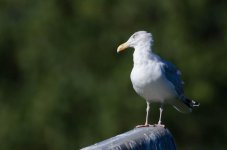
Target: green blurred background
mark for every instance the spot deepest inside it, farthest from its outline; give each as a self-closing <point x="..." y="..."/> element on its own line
<point x="63" y="86"/>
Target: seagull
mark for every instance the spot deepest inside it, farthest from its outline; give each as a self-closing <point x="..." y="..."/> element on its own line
<point x="155" y="79"/>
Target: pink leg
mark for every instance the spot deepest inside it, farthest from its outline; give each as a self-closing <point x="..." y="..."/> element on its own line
<point x="146" y="123"/>
<point x="160" y="118"/>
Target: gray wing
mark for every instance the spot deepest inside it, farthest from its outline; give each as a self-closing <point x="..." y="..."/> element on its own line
<point x="173" y="75"/>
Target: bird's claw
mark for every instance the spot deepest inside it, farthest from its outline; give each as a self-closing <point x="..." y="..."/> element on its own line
<point x="144" y="125"/>
<point x="159" y="125"/>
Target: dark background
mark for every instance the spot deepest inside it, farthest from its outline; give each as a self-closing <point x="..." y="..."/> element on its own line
<point x="63" y="86"/>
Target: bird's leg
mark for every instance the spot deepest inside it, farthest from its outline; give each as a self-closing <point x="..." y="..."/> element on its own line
<point x="147" y="115"/>
<point x="160" y="117"/>
<point x="146" y="123"/>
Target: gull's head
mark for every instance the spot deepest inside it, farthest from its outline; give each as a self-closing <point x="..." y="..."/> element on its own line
<point x="138" y="39"/>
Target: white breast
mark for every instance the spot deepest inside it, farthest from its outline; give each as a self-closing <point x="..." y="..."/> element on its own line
<point x="149" y="82"/>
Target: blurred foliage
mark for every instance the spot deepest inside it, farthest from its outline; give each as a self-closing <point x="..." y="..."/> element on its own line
<point x="63" y="86"/>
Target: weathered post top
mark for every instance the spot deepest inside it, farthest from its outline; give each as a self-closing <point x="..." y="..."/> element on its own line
<point x="145" y="138"/>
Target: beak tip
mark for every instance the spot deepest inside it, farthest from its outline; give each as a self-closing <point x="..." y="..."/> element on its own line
<point x="122" y="47"/>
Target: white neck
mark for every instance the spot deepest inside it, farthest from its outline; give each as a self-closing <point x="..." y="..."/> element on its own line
<point x="142" y="53"/>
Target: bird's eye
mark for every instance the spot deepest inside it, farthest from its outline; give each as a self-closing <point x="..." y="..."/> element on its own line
<point x="133" y="36"/>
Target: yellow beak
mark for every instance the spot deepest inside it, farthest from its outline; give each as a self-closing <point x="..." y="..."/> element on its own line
<point x="122" y="47"/>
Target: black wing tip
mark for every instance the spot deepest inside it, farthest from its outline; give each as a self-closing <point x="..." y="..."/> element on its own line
<point x="195" y="104"/>
<point x="191" y="103"/>
<point x="185" y="105"/>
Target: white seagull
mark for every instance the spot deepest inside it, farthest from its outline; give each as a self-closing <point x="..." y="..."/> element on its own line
<point x="155" y="79"/>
